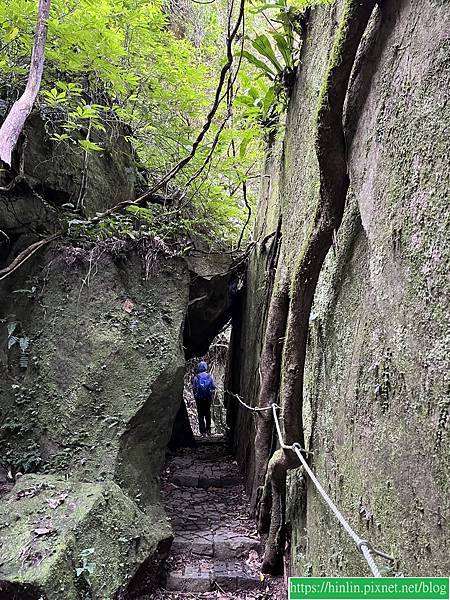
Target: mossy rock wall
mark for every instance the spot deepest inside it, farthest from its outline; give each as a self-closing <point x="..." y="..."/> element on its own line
<point x="105" y="360"/>
<point x="376" y="381"/>
<point x="93" y="399"/>
<point x="48" y="174"/>
<point x="93" y="339"/>
<point x="62" y="539"/>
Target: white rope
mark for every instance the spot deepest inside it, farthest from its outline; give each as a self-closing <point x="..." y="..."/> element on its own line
<point x="252" y="408"/>
<point x="274" y="408"/>
<point x="363" y="545"/>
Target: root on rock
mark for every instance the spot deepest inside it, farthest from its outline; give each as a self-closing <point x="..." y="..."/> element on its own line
<point x="334" y="183"/>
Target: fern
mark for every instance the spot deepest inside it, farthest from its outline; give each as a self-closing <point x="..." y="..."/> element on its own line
<point x="22" y="341"/>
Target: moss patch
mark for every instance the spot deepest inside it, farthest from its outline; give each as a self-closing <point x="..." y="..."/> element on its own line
<point x="46" y="523"/>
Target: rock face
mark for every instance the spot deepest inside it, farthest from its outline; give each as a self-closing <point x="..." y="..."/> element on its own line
<point x="376" y="384"/>
<point x="92" y="366"/>
<point x="97" y="398"/>
<point x="62" y="538"/>
<point x="53" y="174"/>
<point x="101" y="353"/>
<point x="91" y="379"/>
<point x="213" y="293"/>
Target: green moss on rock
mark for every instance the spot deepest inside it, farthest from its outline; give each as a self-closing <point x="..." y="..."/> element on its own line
<point x="46" y="523"/>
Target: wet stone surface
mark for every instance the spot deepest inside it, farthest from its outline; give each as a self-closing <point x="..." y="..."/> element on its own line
<point x="216" y="550"/>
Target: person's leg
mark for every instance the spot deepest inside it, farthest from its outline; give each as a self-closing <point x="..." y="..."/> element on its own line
<point x="201" y="420"/>
<point x="208" y="417"/>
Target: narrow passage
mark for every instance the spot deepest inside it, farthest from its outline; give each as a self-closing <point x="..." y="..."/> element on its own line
<point x="216" y="551"/>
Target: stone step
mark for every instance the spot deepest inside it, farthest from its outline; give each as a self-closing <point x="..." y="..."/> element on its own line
<point x="214" y="440"/>
<point x="230" y="576"/>
<point x="192" y="478"/>
<point x="221" y="544"/>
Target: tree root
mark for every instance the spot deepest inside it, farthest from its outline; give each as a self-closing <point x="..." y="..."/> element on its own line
<point x="25" y="255"/>
<point x="270" y="363"/>
<point x="334" y="183"/>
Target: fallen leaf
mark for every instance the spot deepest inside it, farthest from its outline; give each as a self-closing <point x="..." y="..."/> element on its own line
<point x="55" y="502"/>
<point x="43" y="531"/>
<point x="128" y="306"/>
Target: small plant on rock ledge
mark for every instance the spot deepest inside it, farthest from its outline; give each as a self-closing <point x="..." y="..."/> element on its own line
<point x="277" y="59"/>
<point x="87" y="567"/>
<point x="23" y="341"/>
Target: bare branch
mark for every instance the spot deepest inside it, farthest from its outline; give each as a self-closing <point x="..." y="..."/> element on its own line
<point x="15" y="121"/>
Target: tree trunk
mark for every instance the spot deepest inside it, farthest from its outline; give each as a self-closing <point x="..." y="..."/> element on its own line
<point x="15" y="121"/>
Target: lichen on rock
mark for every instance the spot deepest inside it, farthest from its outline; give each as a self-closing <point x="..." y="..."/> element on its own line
<point x="71" y="539"/>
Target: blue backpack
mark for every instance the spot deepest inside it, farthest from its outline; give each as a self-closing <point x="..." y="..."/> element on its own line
<point x="205" y="386"/>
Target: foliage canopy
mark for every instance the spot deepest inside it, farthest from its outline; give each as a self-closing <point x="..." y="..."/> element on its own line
<point x="154" y="68"/>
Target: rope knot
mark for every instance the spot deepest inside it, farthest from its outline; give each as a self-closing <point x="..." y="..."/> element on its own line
<point x="296" y="446"/>
<point x="362" y="543"/>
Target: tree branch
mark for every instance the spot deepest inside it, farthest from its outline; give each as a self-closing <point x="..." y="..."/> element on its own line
<point x="15" y="120"/>
<point x="218" y="97"/>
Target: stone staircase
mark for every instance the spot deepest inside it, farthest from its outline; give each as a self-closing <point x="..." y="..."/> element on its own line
<point x="216" y="548"/>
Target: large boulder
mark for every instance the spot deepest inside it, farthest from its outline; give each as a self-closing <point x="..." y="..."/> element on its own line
<point x="215" y="283"/>
<point x="71" y="539"/>
<point x="46" y="175"/>
<point x="90" y="390"/>
<point x="91" y="374"/>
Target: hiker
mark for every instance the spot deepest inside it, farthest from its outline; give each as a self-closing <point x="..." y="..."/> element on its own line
<point x="203" y="387"/>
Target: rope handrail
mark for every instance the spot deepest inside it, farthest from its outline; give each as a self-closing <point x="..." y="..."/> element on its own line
<point x="363" y="545"/>
<point x="252" y="408"/>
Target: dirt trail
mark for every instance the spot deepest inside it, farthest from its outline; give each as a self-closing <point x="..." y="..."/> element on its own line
<point x="216" y="551"/>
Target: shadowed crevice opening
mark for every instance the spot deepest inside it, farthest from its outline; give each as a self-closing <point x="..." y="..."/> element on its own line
<point x="216" y="288"/>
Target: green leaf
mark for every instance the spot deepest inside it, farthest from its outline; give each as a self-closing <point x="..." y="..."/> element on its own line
<point x="11" y="35"/>
<point x="269" y="99"/>
<point x="98" y="126"/>
<point x="253" y="93"/>
<point x="245" y="100"/>
<point x="284" y="48"/>
<point x="258" y="63"/>
<point x="267" y="6"/>
<point x="24" y="343"/>
<point x="12" y="327"/>
<point x="90" y="146"/>
<point x="12" y="340"/>
<point x="262" y="44"/>
<point x="60" y="137"/>
<point x="247" y="138"/>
